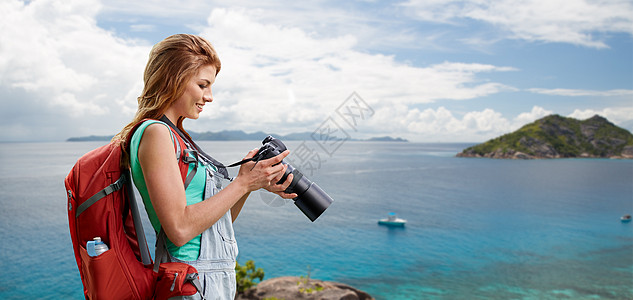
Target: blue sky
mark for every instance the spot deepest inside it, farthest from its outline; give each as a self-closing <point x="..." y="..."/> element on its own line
<point x="435" y="70"/>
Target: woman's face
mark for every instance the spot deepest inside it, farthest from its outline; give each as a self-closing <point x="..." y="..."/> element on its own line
<point x="197" y="93"/>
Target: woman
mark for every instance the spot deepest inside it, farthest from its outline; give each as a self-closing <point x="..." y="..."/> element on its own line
<point x="197" y="220"/>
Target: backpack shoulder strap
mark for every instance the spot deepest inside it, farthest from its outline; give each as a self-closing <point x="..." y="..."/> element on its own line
<point x="181" y="150"/>
<point x="186" y="156"/>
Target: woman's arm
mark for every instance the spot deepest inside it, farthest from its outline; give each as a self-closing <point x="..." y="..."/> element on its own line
<point x="237" y="208"/>
<point x="167" y="193"/>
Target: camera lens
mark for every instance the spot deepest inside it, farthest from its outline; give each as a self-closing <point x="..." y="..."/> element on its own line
<point x="313" y="202"/>
<point x="311" y="199"/>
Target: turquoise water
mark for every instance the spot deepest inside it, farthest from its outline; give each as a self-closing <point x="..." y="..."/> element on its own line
<point x="477" y="228"/>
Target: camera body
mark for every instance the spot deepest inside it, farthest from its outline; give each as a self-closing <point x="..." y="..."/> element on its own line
<point x="311" y="199"/>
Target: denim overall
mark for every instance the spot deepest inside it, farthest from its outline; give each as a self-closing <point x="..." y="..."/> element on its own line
<point x="218" y="251"/>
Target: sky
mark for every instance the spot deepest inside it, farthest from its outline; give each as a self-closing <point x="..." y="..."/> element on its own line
<point x="424" y="70"/>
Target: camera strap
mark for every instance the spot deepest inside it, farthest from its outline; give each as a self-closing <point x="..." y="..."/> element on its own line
<point x="256" y="159"/>
<point x="241" y="162"/>
<point x="201" y="154"/>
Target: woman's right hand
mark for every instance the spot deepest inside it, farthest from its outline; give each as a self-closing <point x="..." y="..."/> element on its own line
<point x="266" y="172"/>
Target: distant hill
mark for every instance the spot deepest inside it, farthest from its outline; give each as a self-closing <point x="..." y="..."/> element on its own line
<point x="227" y="135"/>
<point x="555" y="136"/>
<point x="91" y="138"/>
<point x="238" y="135"/>
<point x="386" y="139"/>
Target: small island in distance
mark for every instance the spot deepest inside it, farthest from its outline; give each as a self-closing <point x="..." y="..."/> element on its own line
<point x="555" y="136"/>
<point x="238" y="135"/>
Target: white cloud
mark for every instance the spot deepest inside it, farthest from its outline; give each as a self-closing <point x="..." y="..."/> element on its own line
<point x="579" y="22"/>
<point x="577" y="93"/>
<point x="168" y="10"/>
<point x="142" y="27"/>
<point x="619" y="115"/>
<point x="67" y="66"/>
<point x="430" y="125"/>
<point x="441" y="124"/>
<point x="57" y="64"/>
<point x="274" y="78"/>
<point x="529" y="117"/>
<point x="262" y="62"/>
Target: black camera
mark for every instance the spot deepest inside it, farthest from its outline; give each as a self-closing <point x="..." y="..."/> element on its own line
<point x="311" y="199"/>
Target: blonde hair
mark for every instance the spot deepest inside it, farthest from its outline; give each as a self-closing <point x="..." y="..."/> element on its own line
<point x="172" y="62"/>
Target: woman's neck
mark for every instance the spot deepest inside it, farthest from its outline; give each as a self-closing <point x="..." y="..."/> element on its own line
<point x="172" y="117"/>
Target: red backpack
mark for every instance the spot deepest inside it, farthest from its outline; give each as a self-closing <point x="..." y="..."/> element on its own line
<point x="101" y="203"/>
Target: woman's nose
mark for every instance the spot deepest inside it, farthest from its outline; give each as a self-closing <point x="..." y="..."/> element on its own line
<point x="208" y="96"/>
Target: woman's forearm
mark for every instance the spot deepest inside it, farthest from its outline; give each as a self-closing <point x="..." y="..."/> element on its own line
<point x="198" y="217"/>
<point x="237" y="207"/>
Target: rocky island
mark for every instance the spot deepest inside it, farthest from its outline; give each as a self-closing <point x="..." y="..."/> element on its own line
<point x="555" y="136"/>
<point x="302" y="288"/>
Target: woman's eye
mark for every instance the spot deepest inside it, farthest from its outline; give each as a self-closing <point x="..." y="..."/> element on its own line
<point x="202" y="86"/>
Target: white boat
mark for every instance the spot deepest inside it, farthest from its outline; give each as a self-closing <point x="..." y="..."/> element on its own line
<point x="625" y="218"/>
<point x="392" y="220"/>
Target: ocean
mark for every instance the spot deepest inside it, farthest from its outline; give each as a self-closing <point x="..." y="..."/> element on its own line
<point x="476" y="228"/>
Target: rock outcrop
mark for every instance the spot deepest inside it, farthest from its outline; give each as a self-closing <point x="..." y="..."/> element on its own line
<point x="290" y="288"/>
<point x="559" y="137"/>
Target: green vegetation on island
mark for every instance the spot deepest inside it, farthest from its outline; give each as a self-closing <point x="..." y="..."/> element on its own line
<point x="555" y="136"/>
<point x="247" y="275"/>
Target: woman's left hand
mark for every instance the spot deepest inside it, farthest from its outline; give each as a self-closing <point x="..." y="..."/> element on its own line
<point x="280" y="188"/>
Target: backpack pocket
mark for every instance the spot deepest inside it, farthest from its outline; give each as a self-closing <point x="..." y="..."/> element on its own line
<point x="104" y="277"/>
<point x="176" y="279"/>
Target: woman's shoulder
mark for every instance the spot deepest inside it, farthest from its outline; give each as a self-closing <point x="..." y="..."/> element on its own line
<point x="156" y="131"/>
<point x="155" y="125"/>
<point x="152" y="123"/>
<point x="152" y="132"/>
<point x="151" y="127"/>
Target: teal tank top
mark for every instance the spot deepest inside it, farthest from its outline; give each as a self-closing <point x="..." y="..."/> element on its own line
<point x="194" y="193"/>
